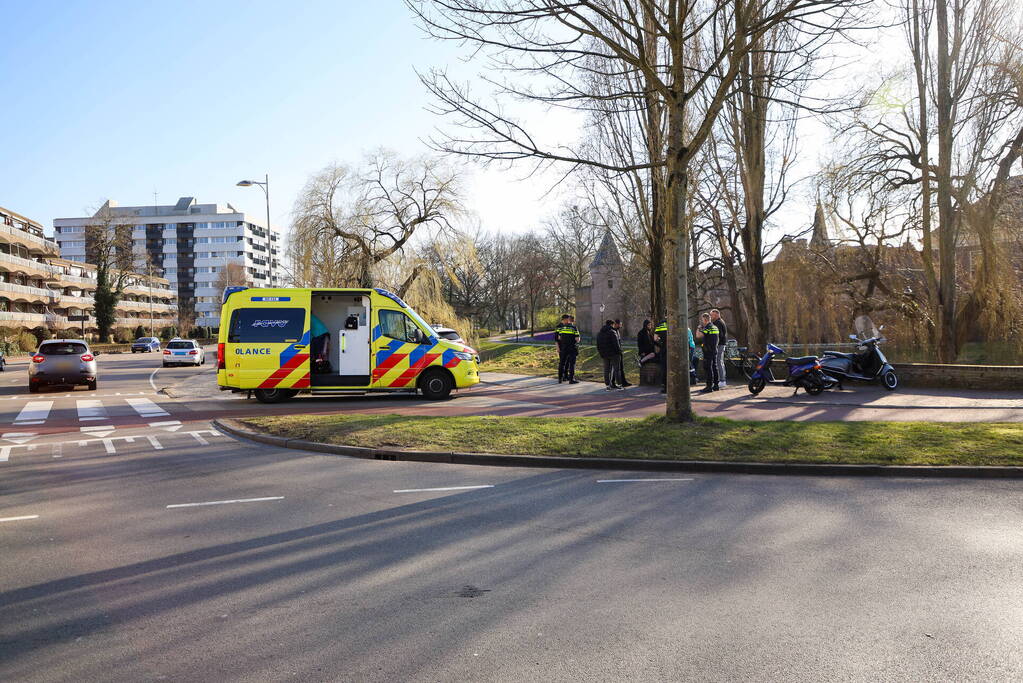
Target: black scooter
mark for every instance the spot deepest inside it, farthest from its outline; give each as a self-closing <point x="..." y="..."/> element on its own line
<point x="867" y="366"/>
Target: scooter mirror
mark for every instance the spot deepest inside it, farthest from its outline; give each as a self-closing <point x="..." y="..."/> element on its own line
<point x="854" y="337"/>
<point x="880" y="328"/>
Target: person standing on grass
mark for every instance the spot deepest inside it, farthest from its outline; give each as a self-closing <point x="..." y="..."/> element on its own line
<point x="609" y="346"/>
<point x="621" y="357"/>
<point x="566" y="336"/>
<point x="715" y="317"/>
<point x="707" y="335"/>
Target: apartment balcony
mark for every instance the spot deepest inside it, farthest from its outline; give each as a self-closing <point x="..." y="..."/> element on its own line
<point x="79" y="301"/>
<point x="15" y="292"/>
<point x="145" y="321"/>
<point x="27" y="266"/>
<point x="34" y="243"/>
<point x="145" y="306"/>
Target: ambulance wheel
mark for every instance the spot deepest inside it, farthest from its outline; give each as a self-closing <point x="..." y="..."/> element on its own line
<point x="274" y="395"/>
<point x="436" y="385"/>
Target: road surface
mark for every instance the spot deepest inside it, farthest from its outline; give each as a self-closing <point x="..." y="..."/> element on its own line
<point x="151" y="547"/>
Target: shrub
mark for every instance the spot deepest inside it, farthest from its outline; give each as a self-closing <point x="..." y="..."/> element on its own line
<point x="140" y="332"/>
<point x="483" y="333"/>
<point x="168" y="333"/>
<point x="28" y="342"/>
<point x="123" y="336"/>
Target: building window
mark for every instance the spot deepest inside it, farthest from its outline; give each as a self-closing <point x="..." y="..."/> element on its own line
<point x="610" y="284"/>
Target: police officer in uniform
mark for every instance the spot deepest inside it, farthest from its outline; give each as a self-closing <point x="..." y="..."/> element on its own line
<point x="708" y="335"/>
<point x="661" y="339"/>
<point x="566" y="336"/>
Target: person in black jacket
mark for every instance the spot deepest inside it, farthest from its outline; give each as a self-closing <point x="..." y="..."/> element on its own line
<point x="609" y="346"/>
<point x="645" y="343"/>
<point x="621" y="356"/>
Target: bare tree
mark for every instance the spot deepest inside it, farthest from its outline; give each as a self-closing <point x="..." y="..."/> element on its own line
<point x="572" y="239"/>
<point x="364" y="217"/>
<point x="553" y="47"/>
<point x="231" y="275"/>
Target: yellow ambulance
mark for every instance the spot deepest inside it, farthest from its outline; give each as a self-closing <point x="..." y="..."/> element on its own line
<point x="277" y="342"/>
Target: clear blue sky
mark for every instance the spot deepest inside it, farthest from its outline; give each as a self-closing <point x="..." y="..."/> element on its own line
<point x="118" y="99"/>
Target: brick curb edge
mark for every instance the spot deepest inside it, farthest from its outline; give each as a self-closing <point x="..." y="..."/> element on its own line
<point x="235" y="428"/>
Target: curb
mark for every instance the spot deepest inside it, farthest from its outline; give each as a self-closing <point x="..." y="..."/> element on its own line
<point x="235" y="428"/>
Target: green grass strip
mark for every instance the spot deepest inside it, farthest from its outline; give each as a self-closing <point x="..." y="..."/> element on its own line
<point x="886" y="443"/>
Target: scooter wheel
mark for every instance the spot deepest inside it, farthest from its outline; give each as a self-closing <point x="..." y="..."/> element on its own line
<point x="815" y="389"/>
<point x="756" y="385"/>
<point x="890" y="380"/>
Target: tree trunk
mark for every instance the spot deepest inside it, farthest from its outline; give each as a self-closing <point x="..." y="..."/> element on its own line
<point x="679" y="406"/>
<point x="947" y="347"/>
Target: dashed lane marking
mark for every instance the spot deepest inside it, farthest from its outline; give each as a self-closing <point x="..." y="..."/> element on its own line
<point x="18" y="519"/>
<point x="447" y="488"/>
<point x="200" y="439"/>
<point x="225" y="502"/>
<point x="155" y="444"/>
<point x="34" y="413"/>
<point x="622" y="481"/>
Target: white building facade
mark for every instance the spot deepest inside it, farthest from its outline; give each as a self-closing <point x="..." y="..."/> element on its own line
<point x="192" y="244"/>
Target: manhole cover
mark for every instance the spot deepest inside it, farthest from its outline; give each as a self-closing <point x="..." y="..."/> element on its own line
<point x="471" y="592"/>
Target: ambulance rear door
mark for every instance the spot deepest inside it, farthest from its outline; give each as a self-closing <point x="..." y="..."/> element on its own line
<point x="268" y="340"/>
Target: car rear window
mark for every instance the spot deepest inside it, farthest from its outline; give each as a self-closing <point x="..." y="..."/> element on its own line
<point x="144" y="340"/>
<point x="266" y="325"/>
<point x="180" y="345"/>
<point x="62" y="349"/>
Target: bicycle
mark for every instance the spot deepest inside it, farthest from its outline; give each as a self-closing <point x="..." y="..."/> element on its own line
<point x="740" y="358"/>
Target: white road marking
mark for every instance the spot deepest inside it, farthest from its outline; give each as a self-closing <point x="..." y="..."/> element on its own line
<point x="145" y="407"/>
<point x="18" y="437"/>
<point x="447" y="488"/>
<point x="18" y="519"/>
<point x="225" y="502"/>
<point x="170" y="426"/>
<point x="99" y="431"/>
<point x="619" y="481"/>
<point x="154" y="442"/>
<point x="91" y="409"/>
<point x="109" y="445"/>
<point x="5" y="453"/>
<point x="151" y="382"/>
<point x="198" y="438"/>
<point x="34" y="413"/>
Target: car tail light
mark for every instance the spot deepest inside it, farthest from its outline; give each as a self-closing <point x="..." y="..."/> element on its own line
<point x="221" y="360"/>
<point x="38" y="358"/>
<point x="86" y="357"/>
<point x="192" y="352"/>
<point x="166" y="352"/>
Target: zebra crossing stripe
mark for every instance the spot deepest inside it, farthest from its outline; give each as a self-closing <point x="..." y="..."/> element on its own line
<point x="91" y="409"/>
<point x="145" y="407"/>
<point x="34" y="413"/>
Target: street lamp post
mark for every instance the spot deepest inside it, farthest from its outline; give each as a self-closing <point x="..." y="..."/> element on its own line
<point x="265" y="186"/>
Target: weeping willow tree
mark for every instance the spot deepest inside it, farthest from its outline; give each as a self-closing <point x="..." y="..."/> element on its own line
<point x="348" y="221"/>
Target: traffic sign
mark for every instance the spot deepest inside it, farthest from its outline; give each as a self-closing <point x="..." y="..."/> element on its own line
<point x="78" y="318"/>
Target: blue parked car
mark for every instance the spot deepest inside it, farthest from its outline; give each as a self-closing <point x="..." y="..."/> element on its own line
<point x="145" y="345"/>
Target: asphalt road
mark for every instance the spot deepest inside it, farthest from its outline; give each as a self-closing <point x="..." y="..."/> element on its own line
<point x="343" y="569"/>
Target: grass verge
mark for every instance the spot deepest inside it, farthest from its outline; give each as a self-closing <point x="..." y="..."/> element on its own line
<point x="885" y="443"/>
<point x="523" y="359"/>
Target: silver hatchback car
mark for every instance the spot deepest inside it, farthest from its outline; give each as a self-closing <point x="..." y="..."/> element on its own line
<point x="62" y="362"/>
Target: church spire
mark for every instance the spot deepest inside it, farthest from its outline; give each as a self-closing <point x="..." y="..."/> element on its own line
<point x="820" y="239"/>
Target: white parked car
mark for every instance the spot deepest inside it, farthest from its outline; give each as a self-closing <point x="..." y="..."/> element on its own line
<point x="447" y="333"/>
<point x="183" y="352"/>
